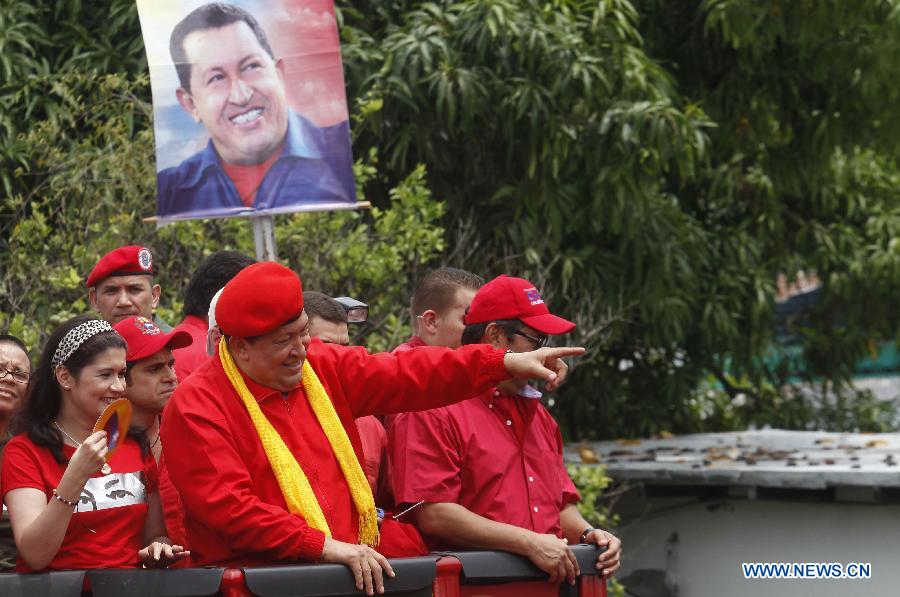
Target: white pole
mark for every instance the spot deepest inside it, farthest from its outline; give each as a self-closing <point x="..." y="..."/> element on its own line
<point x="264" y="237"/>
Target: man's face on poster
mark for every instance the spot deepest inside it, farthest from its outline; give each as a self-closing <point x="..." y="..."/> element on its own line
<point x="237" y="92"/>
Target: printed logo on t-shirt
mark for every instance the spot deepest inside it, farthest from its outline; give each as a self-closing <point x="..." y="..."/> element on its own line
<point x="113" y="491"/>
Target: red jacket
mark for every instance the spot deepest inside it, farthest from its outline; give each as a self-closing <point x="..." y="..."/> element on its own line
<point x="235" y="513"/>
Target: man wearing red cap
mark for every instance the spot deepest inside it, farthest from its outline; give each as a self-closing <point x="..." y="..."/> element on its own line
<point x="261" y="441"/>
<point x="121" y="285"/>
<point x="150" y="381"/>
<point x="487" y="473"/>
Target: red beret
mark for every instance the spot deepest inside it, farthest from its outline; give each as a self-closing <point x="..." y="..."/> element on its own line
<point x="506" y="297"/>
<point x="260" y="299"/>
<point x="144" y="338"/>
<point x="124" y="261"/>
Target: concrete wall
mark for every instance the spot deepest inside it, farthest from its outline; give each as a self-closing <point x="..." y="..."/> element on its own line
<point x="714" y="538"/>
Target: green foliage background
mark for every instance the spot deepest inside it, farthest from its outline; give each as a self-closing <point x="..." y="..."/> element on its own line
<point x="652" y="165"/>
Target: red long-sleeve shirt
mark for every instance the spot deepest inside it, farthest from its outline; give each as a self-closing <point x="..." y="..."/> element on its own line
<point x="235" y="513"/>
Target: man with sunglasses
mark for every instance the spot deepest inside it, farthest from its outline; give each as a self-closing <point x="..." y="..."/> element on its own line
<point x="487" y="473"/>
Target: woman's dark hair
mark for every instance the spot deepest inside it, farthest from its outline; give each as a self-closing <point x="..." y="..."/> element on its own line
<point x="43" y="398"/>
<point x="474" y="332"/>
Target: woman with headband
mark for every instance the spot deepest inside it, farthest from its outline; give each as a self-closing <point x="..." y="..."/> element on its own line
<point x="68" y="507"/>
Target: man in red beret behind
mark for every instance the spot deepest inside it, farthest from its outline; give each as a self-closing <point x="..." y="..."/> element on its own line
<point x="121" y="285"/>
<point x="261" y="441"/>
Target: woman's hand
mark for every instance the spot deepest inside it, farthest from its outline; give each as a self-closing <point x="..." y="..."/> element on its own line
<point x="88" y="457"/>
<point x="161" y="555"/>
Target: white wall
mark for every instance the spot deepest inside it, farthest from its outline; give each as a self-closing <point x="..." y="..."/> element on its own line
<point x="712" y="544"/>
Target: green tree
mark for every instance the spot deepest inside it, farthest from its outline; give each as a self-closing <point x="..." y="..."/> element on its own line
<point x="652" y="165"/>
<point x="91" y="180"/>
<point x="657" y="165"/>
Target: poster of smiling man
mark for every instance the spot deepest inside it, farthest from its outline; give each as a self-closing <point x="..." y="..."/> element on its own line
<point x="250" y="115"/>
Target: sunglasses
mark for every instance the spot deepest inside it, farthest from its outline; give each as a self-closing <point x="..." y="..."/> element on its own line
<point x="538" y="342"/>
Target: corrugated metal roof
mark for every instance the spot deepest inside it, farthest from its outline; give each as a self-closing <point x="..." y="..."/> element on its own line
<point x="769" y="458"/>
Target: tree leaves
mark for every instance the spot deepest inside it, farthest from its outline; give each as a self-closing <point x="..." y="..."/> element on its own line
<point x="653" y="166"/>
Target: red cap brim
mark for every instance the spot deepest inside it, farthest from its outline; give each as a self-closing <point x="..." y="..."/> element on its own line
<point x="174" y="339"/>
<point x="548" y="323"/>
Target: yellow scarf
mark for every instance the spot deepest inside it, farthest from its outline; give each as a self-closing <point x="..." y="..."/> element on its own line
<point x="293" y="482"/>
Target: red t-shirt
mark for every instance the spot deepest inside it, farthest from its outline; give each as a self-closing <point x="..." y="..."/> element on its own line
<point x="413" y="342"/>
<point x="498" y="456"/>
<point x="374" y="442"/>
<point x="192" y="356"/>
<point x="106" y="529"/>
<point x="172" y="508"/>
<point x="235" y="513"/>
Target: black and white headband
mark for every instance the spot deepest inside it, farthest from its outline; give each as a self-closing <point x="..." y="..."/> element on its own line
<point x="75" y="338"/>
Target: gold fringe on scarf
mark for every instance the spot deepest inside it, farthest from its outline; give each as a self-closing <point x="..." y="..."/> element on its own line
<point x="294" y="485"/>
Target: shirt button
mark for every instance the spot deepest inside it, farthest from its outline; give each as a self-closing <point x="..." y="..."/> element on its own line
<point x="508" y="422"/>
<point x="531" y="479"/>
<point x="490" y="406"/>
<point x="496" y="393"/>
<point x="535" y="508"/>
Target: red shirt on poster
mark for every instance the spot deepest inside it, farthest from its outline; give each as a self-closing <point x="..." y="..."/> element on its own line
<point x="235" y="513"/>
<point x="248" y="179"/>
<point x="106" y="530"/>
<point x="498" y="456"/>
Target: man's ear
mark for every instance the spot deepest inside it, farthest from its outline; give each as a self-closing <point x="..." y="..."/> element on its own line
<point x="92" y="299"/>
<point x="428" y="322"/>
<point x="155" y="290"/>
<point x="187" y="102"/>
<point x="238" y="348"/>
<point x="495" y="336"/>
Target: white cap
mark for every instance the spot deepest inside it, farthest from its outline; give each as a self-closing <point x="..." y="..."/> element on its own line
<point x="212" y="308"/>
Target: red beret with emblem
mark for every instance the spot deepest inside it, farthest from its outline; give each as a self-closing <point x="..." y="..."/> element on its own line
<point x="144" y="338"/>
<point x="506" y="297"/>
<point x="260" y="299"/>
<point x="132" y="260"/>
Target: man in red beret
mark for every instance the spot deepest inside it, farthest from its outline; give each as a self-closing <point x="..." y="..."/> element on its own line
<point x="261" y="441"/>
<point x="150" y="381"/>
<point x="121" y="285"/>
<point x="487" y="473"/>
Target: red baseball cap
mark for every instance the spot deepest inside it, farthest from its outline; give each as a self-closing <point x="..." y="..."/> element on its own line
<point x="131" y="260"/>
<point x="144" y="338"/>
<point x="506" y="297"/>
<point x="261" y="298"/>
